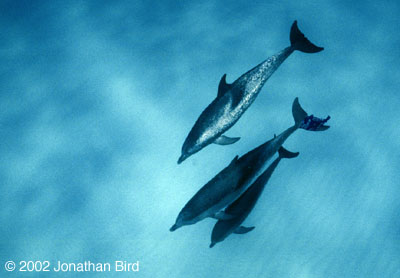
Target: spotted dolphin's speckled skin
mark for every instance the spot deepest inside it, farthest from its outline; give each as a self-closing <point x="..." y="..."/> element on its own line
<point x="234" y="99"/>
<point x="226" y="110"/>
<point x="232" y="181"/>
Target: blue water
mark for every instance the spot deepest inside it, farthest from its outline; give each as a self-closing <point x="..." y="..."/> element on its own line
<point x="97" y="97"/>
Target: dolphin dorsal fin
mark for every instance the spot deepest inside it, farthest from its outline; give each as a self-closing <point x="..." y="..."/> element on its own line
<point x="233" y="162"/>
<point x="223" y="86"/>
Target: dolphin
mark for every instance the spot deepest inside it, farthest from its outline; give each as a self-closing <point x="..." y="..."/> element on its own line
<point x="234" y="99"/>
<point x="242" y="207"/>
<point x="233" y="180"/>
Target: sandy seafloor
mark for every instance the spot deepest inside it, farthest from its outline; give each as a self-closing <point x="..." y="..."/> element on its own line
<point x="97" y="97"/>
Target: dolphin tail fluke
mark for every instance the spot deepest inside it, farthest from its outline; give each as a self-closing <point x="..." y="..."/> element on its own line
<point x="284" y="153"/>
<point x="303" y="121"/>
<point x="298" y="112"/>
<point x="300" y="42"/>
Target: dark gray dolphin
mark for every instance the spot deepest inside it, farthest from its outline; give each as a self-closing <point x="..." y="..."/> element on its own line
<point x="234" y="99"/>
<point x="242" y="207"/>
<point x="232" y="181"/>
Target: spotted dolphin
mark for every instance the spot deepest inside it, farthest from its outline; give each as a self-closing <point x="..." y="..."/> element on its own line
<point x="234" y="99"/>
<point x="242" y="207"/>
<point x="233" y="180"/>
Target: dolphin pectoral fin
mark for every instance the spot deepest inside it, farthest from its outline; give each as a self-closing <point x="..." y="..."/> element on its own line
<point x="243" y="230"/>
<point x="223" y="216"/>
<point x="223" y="86"/>
<point x="225" y="140"/>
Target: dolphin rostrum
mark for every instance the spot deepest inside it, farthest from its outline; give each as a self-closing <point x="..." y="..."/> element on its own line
<point x="232" y="181"/>
<point x="242" y="207"/>
<point x="234" y="99"/>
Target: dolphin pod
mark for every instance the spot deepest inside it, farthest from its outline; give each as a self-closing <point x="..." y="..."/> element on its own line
<point x="242" y="207"/>
<point x="230" y="183"/>
<point x="234" y="99"/>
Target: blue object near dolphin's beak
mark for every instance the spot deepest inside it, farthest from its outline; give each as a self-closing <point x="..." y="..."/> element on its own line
<point x="314" y="124"/>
